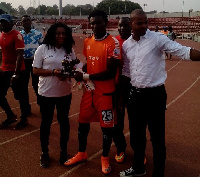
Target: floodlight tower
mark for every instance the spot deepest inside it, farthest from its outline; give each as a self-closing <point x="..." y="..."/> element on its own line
<point x="60" y="7"/>
<point x="144" y="6"/>
<point x="34" y="3"/>
<point x="182" y="8"/>
<point x="39" y="7"/>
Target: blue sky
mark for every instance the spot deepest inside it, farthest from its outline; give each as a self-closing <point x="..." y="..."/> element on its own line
<point x="159" y="5"/>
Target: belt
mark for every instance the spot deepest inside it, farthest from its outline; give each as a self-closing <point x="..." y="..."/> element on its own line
<point x="147" y="89"/>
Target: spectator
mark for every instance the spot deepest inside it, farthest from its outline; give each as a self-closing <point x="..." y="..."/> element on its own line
<point x="102" y="53"/>
<point x="144" y="64"/>
<point x="12" y="71"/>
<point x="157" y="29"/>
<point x="84" y="32"/>
<point x="44" y="30"/>
<point x="32" y="39"/>
<point x="165" y="32"/>
<point x="54" y="88"/>
<point x="171" y="35"/>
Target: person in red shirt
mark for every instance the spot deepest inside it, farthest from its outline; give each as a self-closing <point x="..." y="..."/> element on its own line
<point x="122" y="93"/>
<point x="102" y="52"/>
<point x="124" y="30"/>
<point x="11" y="71"/>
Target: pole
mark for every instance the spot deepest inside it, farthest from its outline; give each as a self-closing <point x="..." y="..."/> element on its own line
<point x="182" y="8"/>
<point x="163" y="8"/>
<point x="109" y="12"/>
<point x="39" y="8"/>
<point x="60" y="7"/>
<point x="144" y="6"/>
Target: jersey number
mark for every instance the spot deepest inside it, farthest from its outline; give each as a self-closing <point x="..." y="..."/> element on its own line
<point x="107" y="116"/>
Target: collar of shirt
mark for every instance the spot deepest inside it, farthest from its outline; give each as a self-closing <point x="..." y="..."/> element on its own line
<point x="147" y="35"/>
<point x="31" y="31"/>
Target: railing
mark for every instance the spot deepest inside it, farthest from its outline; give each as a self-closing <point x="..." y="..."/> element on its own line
<point x="179" y="24"/>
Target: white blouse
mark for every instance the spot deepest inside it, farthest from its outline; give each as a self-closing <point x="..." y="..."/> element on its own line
<point x="51" y="86"/>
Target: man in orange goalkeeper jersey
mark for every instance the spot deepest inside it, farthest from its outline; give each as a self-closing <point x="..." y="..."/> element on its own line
<point x="102" y="52"/>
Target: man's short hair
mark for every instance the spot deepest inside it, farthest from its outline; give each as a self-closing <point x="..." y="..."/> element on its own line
<point x="128" y="18"/>
<point x="26" y="16"/>
<point x="101" y="13"/>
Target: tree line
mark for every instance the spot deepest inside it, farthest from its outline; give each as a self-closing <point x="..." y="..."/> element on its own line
<point x="111" y="7"/>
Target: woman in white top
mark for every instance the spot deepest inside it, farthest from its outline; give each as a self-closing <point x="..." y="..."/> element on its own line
<point x="54" y="88"/>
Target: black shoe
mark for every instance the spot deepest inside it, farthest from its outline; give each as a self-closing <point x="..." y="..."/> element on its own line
<point x="20" y="125"/>
<point x="131" y="172"/>
<point x="8" y="121"/>
<point x="63" y="157"/>
<point x="44" y="160"/>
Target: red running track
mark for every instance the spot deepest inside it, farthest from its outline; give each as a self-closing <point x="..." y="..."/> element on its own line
<point x="20" y="149"/>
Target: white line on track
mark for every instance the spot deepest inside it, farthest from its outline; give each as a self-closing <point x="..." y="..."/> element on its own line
<point x="26" y="134"/>
<point x="174" y="66"/>
<point x="89" y="159"/>
<point x="30" y="103"/>
<point x="187" y="89"/>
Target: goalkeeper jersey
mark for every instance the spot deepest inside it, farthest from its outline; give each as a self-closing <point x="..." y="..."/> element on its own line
<point x="97" y="53"/>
